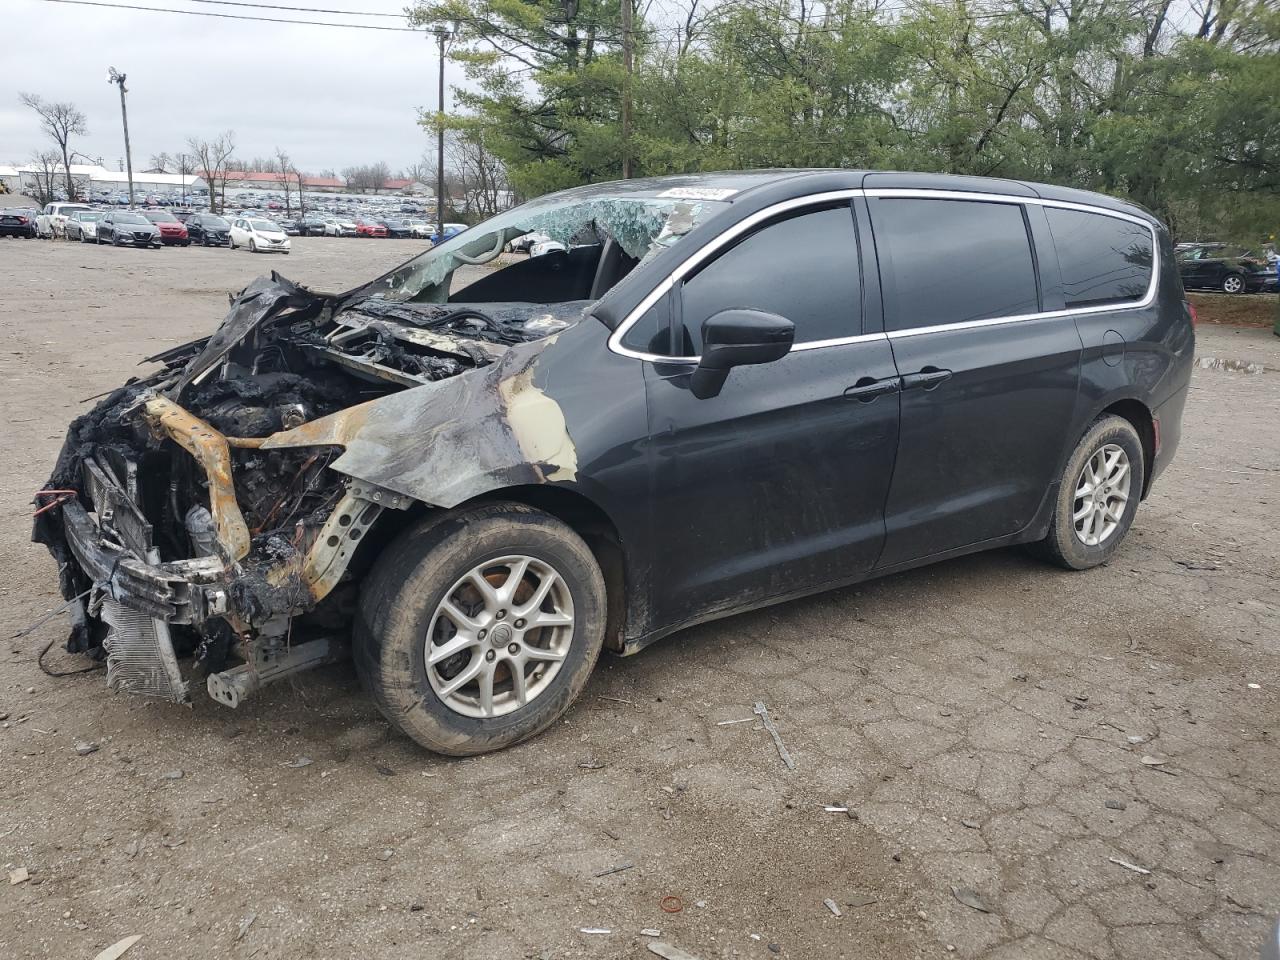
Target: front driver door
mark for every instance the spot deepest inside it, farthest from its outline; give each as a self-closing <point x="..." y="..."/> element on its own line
<point x="776" y="486"/>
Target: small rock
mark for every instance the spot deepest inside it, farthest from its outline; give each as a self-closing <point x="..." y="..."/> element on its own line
<point x="969" y="898"/>
<point x="4" y="715"/>
<point x="774" y="948"/>
<point x="386" y="855"/>
<point x="650" y="932"/>
<point x="86" y="747"/>
<point x="971" y="824"/>
<point x="19" y="875"/>
<point x="174" y="774"/>
<point x="245" y="924"/>
<point x="831" y="905"/>
<point x="1115" y="804"/>
<point x="300" y="762"/>
<point x="131" y="849"/>
<point x="31" y="689"/>
<point x="1153" y="761"/>
<point x="384" y="770"/>
<point x="922" y="915"/>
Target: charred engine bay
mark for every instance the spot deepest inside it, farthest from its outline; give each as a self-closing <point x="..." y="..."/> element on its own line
<point x="283" y="358"/>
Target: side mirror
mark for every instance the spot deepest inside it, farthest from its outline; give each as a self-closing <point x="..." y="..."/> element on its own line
<point x="734" y="338"/>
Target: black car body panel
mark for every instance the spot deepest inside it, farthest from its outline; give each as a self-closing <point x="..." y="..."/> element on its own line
<point x="912" y="420"/>
<point x="18" y="223"/>
<point x="127" y="234"/>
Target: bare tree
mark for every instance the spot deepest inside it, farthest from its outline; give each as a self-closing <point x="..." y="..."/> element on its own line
<point x="61" y="121"/>
<point x="46" y="173"/>
<point x="160" y="162"/>
<point x="212" y="159"/>
<point x="283" y="169"/>
<point x="369" y="178"/>
<point x="481" y="176"/>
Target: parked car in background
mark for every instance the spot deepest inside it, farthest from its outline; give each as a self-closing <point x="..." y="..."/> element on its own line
<point x="396" y="229"/>
<point x="291" y="228"/>
<point x="450" y="230"/>
<point x="312" y="225"/>
<point x="128" y="228"/>
<point x="172" y="232"/>
<point x="542" y="247"/>
<point x="366" y="227"/>
<point x="18" y="222"/>
<point x="52" y="221"/>
<point x="487" y="484"/>
<point x="340" y="226"/>
<point x="1225" y="267"/>
<point x="209" y="229"/>
<point x="524" y="244"/>
<point x="82" y="225"/>
<point x="259" y="235"/>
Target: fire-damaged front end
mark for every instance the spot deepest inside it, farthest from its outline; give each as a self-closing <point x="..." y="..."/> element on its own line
<point x="204" y="511"/>
<point x="223" y="508"/>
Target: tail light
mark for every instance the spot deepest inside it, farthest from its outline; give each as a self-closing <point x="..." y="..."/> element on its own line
<point x="1191" y="309"/>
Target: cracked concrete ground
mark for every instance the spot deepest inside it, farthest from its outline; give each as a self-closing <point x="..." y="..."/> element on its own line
<point x="984" y="720"/>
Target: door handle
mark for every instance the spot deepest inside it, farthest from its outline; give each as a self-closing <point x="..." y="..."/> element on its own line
<point x="868" y="388"/>
<point x="928" y="378"/>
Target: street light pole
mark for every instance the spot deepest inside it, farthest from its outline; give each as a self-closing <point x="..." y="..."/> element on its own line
<point x="113" y="76"/>
<point x="441" y="35"/>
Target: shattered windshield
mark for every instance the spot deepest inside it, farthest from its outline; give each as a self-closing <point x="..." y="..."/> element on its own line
<point x="639" y="225"/>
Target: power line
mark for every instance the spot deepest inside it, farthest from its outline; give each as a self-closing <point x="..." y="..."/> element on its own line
<point x="234" y="16"/>
<point x="275" y="6"/>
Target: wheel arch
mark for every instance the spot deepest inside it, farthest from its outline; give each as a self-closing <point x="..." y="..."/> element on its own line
<point x="1139" y="416"/>
<point x="573" y="508"/>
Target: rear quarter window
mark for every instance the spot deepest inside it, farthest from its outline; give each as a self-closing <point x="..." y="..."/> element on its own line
<point x="1103" y="259"/>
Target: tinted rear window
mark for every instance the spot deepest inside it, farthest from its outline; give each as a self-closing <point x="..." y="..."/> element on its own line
<point x="950" y="261"/>
<point x="1103" y="259"/>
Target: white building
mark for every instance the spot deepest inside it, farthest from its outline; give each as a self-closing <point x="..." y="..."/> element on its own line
<point x="91" y="178"/>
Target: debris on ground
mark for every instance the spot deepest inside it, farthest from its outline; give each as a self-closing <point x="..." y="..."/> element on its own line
<point x="726" y="723"/>
<point x="590" y="763"/>
<point x="671" y="904"/>
<point x="245" y="924"/>
<point x="859" y="900"/>
<point x="669" y="952"/>
<point x="116" y="950"/>
<point x="19" y="875"/>
<point x="1153" y="761"/>
<point x="1114" y="804"/>
<point x="761" y="711"/>
<point x="833" y="808"/>
<point x="831" y="905"/>
<point x="300" y="762"/>
<point x="131" y="849"/>
<point x="86" y="747"/>
<point x="618" y="869"/>
<point x="174" y="774"/>
<point x="1129" y="866"/>
<point x="650" y="932"/>
<point x="970" y="898"/>
<point x="971" y="824"/>
<point x="386" y="855"/>
<point x="594" y="930"/>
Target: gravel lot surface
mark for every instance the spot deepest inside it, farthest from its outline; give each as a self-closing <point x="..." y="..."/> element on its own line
<point x="985" y="721"/>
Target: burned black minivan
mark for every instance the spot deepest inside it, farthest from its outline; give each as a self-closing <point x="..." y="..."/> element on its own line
<point x="719" y="392"/>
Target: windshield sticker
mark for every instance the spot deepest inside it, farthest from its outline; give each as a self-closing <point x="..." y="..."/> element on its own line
<point x="698" y="193"/>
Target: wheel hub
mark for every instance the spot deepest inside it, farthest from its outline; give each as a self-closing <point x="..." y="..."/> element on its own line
<point x="1101" y="495"/>
<point x="499" y="636"/>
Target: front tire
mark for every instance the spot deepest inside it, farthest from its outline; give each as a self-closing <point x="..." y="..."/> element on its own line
<point x="253" y="247"/>
<point x="478" y="629"/>
<point x="1097" y="497"/>
<point x="1233" y="283"/>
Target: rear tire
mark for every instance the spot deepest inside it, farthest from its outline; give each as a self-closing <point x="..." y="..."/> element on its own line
<point x="1091" y="519"/>
<point x="402" y="614"/>
<point x="1233" y="283"/>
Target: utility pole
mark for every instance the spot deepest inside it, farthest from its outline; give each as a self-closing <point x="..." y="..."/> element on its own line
<point x="113" y="76"/>
<point x="628" y="58"/>
<point x="441" y="35"/>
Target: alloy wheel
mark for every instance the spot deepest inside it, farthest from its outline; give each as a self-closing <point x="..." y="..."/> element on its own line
<point x="1233" y="284"/>
<point x="1102" y="495"/>
<point x="499" y="636"/>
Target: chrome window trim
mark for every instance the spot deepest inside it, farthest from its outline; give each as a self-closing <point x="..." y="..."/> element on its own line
<point x="818" y="199"/>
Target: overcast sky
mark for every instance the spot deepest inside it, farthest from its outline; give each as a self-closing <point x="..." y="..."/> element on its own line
<point x="330" y="97"/>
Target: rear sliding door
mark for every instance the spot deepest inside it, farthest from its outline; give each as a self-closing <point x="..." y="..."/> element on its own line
<point x="988" y="387"/>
